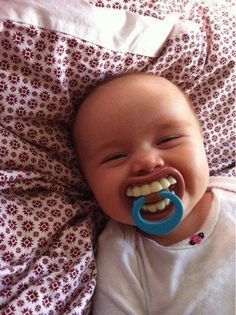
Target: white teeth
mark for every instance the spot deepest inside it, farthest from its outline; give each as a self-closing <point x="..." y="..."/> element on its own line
<point x="152" y="208"/>
<point x="147" y="189"/>
<point x="160" y="205"/>
<point x="129" y="192"/>
<point x="172" y="180"/>
<point x="164" y="183"/>
<point x="137" y="191"/>
<point x="155" y="187"/>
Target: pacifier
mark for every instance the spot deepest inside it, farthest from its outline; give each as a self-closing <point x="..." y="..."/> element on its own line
<point x="161" y="227"/>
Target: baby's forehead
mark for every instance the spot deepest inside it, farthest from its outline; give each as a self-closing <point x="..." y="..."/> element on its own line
<point x="108" y="97"/>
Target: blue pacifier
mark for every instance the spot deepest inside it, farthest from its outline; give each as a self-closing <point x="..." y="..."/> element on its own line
<point x="161" y="227"/>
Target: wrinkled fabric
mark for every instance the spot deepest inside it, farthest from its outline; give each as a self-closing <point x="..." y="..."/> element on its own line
<point x="48" y="219"/>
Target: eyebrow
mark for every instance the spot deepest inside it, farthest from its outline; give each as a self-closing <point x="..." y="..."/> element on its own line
<point x="105" y="146"/>
<point x="176" y="123"/>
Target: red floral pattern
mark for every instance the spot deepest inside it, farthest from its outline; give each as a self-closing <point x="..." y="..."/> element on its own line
<point x="48" y="225"/>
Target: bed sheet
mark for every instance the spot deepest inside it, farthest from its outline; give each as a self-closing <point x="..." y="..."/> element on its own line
<point x="51" y="54"/>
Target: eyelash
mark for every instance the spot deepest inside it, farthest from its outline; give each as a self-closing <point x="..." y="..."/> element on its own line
<point x="115" y="157"/>
<point x="166" y="139"/>
<point x="168" y="142"/>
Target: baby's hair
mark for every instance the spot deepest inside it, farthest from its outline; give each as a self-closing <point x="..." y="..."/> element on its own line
<point x="110" y="79"/>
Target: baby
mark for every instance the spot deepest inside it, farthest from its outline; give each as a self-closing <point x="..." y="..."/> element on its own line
<point x="136" y="135"/>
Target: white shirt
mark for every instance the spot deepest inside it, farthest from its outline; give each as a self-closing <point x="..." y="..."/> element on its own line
<point x="137" y="276"/>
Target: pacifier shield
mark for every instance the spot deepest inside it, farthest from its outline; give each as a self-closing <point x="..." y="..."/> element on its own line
<point x="161" y="227"/>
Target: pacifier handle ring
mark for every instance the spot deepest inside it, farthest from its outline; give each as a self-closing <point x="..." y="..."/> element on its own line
<point x="162" y="227"/>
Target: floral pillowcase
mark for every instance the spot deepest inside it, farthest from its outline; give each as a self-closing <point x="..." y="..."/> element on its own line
<point x="51" y="53"/>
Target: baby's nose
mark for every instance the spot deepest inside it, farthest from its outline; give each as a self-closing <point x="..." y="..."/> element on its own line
<point x="146" y="163"/>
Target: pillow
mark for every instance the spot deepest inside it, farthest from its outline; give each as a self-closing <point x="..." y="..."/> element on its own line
<point x="51" y="53"/>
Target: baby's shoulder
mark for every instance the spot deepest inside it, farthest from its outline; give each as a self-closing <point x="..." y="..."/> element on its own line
<point x="115" y="244"/>
<point x="224" y="190"/>
<point x="116" y="232"/>
<point x="223" y="183"/>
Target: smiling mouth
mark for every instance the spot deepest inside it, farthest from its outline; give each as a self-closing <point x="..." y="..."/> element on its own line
<point x="151" y="191"/>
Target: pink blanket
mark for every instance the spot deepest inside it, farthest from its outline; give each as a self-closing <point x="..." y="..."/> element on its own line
<point x="48" y="220"/>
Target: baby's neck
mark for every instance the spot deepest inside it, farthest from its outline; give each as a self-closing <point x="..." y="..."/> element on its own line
<point x="190" y="225"/>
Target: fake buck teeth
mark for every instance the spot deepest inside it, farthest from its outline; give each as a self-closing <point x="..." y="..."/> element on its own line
<point x="160" y="205"/>
<point x="147" y="189"/>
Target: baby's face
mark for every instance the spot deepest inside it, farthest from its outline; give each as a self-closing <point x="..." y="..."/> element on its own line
<point x="135" y="134"/>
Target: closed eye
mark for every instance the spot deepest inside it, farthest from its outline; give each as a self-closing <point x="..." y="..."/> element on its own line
<point x="169" y="141"/>
<point x="114" y="157"/>
<point x="169" y="138"/>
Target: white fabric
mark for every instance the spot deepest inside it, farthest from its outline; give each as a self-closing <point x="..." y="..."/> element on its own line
<point x="127" y="32"/>
<point x="47" y="224"/>
<point x="136" y="276"/>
